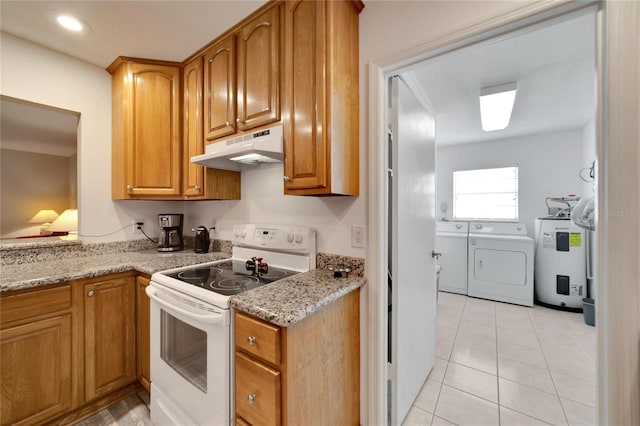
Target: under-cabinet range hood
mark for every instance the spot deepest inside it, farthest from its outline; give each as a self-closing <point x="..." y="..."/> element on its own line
<point x="254" y="149"/>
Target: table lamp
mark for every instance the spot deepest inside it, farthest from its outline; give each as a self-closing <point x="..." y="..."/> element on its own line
<point x="44" y="217"/>
<point x="67" y="222"/>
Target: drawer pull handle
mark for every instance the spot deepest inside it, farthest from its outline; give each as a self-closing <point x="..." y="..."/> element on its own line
<point x="251" y="340"/>
<point x="251" y="398"/>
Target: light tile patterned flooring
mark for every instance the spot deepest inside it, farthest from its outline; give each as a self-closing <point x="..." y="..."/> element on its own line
<point x="502" y="364"/>
<point x="131" y="411"/>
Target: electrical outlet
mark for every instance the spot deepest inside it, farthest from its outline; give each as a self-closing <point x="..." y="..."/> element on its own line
<point x="138" y="223"/>
<point x="357" y="236"/>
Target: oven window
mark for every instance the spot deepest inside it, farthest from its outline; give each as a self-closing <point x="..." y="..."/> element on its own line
<point x="184" y="348"/>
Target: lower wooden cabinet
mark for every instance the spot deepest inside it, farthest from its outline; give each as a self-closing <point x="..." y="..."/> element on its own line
<point x="143" y="344"/>
<point x="109" y="337"/>
<point x="305" y="374"/>
<point x="69" y="350"/>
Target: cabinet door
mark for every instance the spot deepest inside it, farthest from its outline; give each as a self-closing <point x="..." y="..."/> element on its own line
<point x="220" y="89"/>
<point x="153" y="154"/>
<point x="142" y="333"/>
<point x="109" y="313"/>
<point x="36" y="370"/>
<point x="259" y="71"/>
<point x="193" y="179"/>
<point x="305" y="163"/>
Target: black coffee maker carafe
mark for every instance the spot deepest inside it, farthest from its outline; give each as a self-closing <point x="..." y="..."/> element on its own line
<point x="202" y="240"/>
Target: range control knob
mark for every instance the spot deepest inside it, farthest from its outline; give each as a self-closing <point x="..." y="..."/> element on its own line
<point x="299" y="237"/>
<point x="243" y="233"/>
<point x="290" y="237"/>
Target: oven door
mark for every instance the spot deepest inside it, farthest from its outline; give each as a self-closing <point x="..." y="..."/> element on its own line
<point x="190" y="360"/>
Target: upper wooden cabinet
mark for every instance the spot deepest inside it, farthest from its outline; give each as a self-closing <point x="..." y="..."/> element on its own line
<point x="321" y="128"/>
<point x="146" y="144"/>
<point x="242" y="78"/>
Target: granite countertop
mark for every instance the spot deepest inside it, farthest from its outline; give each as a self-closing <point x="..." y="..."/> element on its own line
<point x="291" y="299"/>
<point x="34" y="274"/>
<point x="43" y="242"/>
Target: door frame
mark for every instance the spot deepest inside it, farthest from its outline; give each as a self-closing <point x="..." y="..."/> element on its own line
<point x="612" y="24"/>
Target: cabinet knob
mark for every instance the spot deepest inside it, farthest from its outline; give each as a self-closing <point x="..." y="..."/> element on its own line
<point x="286" y="178"/>
<point x="228" y="124"/>
<point x="251" y="340"/>
<point x="129" y="187"/>
<point x="91" y="293"/>
<point x="251" y="398"/>
<point x="197" y="187"/>
<point x="239" y="121"/>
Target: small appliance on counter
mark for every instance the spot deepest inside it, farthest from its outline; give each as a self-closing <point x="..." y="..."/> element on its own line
<point x="170" y="232"/>
<point x="202" y="240"/>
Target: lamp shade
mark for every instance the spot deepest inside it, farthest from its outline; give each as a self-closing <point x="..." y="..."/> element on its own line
<point x="44" y="216"/>
<point x="67" y="222"/>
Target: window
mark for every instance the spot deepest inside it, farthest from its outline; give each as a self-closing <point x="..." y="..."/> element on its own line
<point x="490" y="194"/>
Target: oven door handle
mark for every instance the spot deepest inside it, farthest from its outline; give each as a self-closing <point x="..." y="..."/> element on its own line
<point x="174" y="305"/>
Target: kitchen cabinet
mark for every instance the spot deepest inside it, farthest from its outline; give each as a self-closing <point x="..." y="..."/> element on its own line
<point x="37" y="365"/>
<point x="304" y="374"/>
<point x="143" y="343"/>
<point x="201" y="182"/>
<point x="109" y="334"/>
<point x="242" y="78"/>
<point x="321" y="132"/>
<point x="146" y="144"/>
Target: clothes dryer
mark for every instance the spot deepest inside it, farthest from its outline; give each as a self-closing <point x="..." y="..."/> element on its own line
<point x="452" y="243"/>
<point x="500" y="263"/>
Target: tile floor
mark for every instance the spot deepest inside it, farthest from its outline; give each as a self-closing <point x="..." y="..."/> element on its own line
<point x="131" y="411"/>
<point x="502" y="364"/>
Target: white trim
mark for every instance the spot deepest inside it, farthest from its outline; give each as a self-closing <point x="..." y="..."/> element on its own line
<point x="379" y="70"/>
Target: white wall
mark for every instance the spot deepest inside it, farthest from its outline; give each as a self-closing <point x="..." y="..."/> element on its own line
<point x="548" y="166"/>
<point x="41" y="75"/>
<point x="588" y="154"/>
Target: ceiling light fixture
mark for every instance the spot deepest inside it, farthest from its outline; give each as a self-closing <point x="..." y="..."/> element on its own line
<point x="70" y="23"/>
<point x="496" y="105"/>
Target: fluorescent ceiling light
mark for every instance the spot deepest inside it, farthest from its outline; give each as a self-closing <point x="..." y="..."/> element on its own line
<point x="496" y="104"/>
<point x="70" y="23"/>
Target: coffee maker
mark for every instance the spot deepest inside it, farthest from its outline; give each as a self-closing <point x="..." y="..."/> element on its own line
<point x="170" y="232"/>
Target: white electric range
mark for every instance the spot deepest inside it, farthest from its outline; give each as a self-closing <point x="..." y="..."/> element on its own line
<point x="192" y="326"/>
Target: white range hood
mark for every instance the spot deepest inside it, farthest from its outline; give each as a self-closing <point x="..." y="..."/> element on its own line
<point x="254" y="149"/>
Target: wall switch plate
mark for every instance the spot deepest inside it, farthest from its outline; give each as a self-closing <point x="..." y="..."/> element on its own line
<point x="357" y="236"/>
<point x="136" y="223"/>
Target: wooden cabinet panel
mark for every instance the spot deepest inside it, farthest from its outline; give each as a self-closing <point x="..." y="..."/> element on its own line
<point x="220" y="89"/>
<point x="36" y="370"/>
<point x="193" y="142"/>
<point x="27" y="305"/>
<point x="146" y="142"/>
<point x="143" y="341"/>
<point x="259" y="71"/>
<point x="321" y="85"/>
<point x="257" y="392"/>
<point x="109" y="314"/>
<point x="258" y="338"/>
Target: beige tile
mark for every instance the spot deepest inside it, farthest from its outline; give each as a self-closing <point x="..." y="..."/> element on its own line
<point x="475" y="342"/>
<point x="428" y="396"/>
<point x="462" y="408"/>
<point x="437" y="421"/>
<point x="445" y="337"/>
<point x="475" y="382"/>
<point x="570" y="362"/>
<point x="579" y="389"/>
<point x="448" y="319"/>
<point x="485" y="330"/>
<point x="579" y="414"/>
<point x="525" y="374"/>
<point x="521" y="353"/>
<point x="417" y="417"/>
<point x="521" y="337"/>
<point x="533" y="402"/>
<point x="438" y="370"/>
<point x="513" y="418"/>
<point x="488" y="318"/>
<point x="471" y="357"/>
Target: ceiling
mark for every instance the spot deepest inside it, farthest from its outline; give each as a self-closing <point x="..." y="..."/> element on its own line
<point x="554" y="66"/>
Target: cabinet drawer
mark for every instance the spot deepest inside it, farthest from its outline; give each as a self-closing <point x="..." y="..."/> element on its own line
<point x="257" y="392"/>
<point x="35" y="303"/>
<point x="258" y="338"/>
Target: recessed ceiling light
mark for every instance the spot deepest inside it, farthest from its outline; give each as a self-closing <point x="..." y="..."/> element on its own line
<point x="496" y="105"/>
<point x="70" y="23"/>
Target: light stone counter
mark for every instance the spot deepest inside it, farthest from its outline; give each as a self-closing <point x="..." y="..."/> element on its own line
<point x="291" y="299"/>
<point x="34" y="274"/>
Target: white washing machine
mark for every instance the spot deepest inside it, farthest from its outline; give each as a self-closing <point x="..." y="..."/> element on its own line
<point x="452" y="243"/>
<point x="561" y="271"/>
<point x="501" y="262"/>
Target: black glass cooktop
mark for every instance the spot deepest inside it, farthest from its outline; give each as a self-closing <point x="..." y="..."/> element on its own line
<point x="229" y="277"/>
